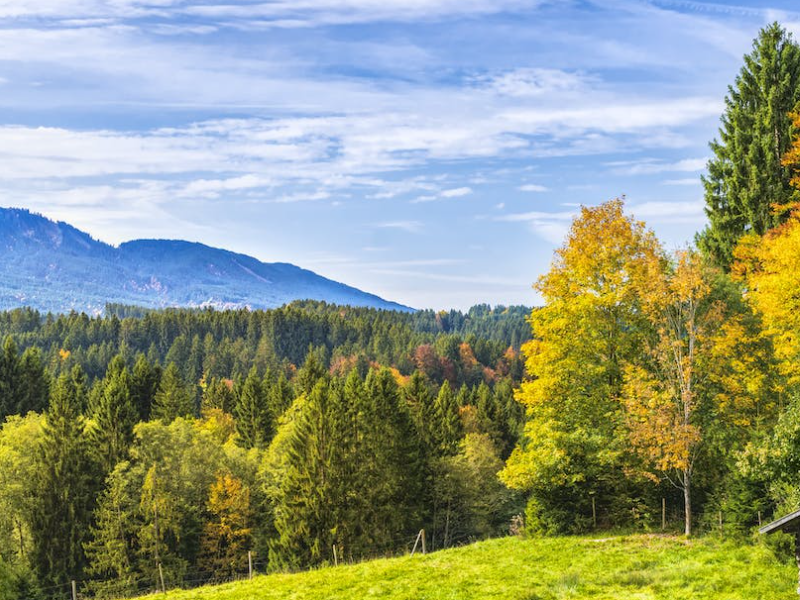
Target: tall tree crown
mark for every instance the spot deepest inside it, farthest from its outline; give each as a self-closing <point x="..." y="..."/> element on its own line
<point x="747" y="183"/>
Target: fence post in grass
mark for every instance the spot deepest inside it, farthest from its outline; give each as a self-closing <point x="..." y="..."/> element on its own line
<point x="335" y="556"/>
<point x="594" y="513"/>
<point x="161" y="577"/>
<point x="663" y="514"/>
<point x="416" y="541"/>
<point x="720" y="521"/>
<point x="424" y="550"/>
<point x="74" y="590"/>
<point x="249" y="564"/>
<point x="759" y="518"/>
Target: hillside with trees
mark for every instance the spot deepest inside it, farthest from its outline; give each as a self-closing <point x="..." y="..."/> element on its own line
<point x="145" y="446"/>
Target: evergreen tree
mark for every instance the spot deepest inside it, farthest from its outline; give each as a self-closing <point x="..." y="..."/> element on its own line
<point x="393" y="472"/>
<point x="34" y="388"/>
<point x="279" y="398"/>
<point x="305" y="503"/>
<point x="114" y="415"/>
<point x="218" y="393"/>
<point x="746" y="180"/>
<point x="253" y="423"/>
<point x="10" y="379"/>
<point x="173" y="398"/>
<point x="144" y="385"/>
<point x="111" y="551"/>
<point x="61" y="508"/>
<point x="447" y="422"/>
<point x="313" y="370"/>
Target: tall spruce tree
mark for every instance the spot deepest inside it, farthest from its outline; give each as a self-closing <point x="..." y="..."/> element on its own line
<point x="447" y="423"/>
<point x="253" y="422"/>
<point x="35" y="390"/>
<point x="114" y="415"/>
<point x="10" y="380"/>
<point x="305" y="502"/>
<point x="746" y="181"/>
<point x="173" y="398"/>
<point x="144" y="385"/>
<point x="62" y="507"/>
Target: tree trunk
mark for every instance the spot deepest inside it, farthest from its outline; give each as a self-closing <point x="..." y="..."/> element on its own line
<point x="687" y="502"/>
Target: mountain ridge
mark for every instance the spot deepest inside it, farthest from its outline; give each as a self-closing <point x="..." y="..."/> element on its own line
<point x="53" y="266"/>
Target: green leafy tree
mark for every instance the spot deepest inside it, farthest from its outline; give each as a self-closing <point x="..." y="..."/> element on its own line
<point x="747" y="183"/>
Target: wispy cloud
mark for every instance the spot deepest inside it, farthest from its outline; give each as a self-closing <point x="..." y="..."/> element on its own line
<point x="652" y="166"/>
<point x="408" y="226"/>
<point x="532" y="187"/>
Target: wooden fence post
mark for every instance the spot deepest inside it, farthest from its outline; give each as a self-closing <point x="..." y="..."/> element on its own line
<point x="663" y="514"/>
<point x="249" y="564"/>
<point x="424" y="550"/>
<point x="74" y="590"/>
<point x="594" y="512"/>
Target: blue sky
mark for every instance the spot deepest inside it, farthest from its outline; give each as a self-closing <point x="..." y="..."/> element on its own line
<point x="430" y="151"/>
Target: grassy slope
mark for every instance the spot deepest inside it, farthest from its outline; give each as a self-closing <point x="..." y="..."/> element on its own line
<point x="633" y="567"/>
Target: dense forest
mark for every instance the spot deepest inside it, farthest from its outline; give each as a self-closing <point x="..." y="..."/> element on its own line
<point x="148" y="444"/>
<point x="175" y="444"/>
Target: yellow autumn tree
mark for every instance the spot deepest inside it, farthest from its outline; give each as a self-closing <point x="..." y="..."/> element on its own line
<point x="227" y="535"/>
<point x="662" y="404"/>
<point x="590" y="327"/>
<point x="769" y="267"/>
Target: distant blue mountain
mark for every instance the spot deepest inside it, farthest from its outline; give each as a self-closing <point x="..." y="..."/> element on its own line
<point x="51" y="266"/>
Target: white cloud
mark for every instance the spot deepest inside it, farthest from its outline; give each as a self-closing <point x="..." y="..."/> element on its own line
<point x="408" y="226"/>
<point x="652" y="166"/>
<point x="456" y="192"/>
<point x="669" y="212"/>
<point x="532" y="187"/>
<point x="551" y="227"/>
<point x="277" y="13"/>
<point x="534" y="82"/>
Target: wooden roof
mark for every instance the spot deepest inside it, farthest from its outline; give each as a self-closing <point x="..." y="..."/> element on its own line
<point x="789" y="523"/>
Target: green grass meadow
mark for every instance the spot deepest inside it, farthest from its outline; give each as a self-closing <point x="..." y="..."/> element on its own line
<point x="636" y="567"/>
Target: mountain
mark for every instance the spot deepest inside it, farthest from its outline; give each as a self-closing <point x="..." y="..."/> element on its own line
<point x="52" y="266"/>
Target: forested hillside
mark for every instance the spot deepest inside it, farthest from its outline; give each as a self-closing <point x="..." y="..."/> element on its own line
<point x="150" y="443"/>
<point x="653" y="389"/>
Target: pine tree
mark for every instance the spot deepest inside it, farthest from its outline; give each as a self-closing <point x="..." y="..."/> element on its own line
<point x="173" y="398"/>
<point x="313" y="370"/>
<point x="279" y="398"/>
<point x="218" y="393"/>
<point x="144" y="385"/>
<point x="253" y="423"/>
<point x="34" y="388"/>
<point x="392" y="473"/>
<point x="112" y="549"/>
<point x="746" y="181"/>
<point x="305" y="515"/>
<point x="62" y="506"/>
<point x="10" y="378"/>
<point x="114" y="415"/>
<point x="447" y="424"/>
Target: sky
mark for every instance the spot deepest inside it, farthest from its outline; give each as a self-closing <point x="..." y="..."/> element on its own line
<point x="433" y="152"/>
